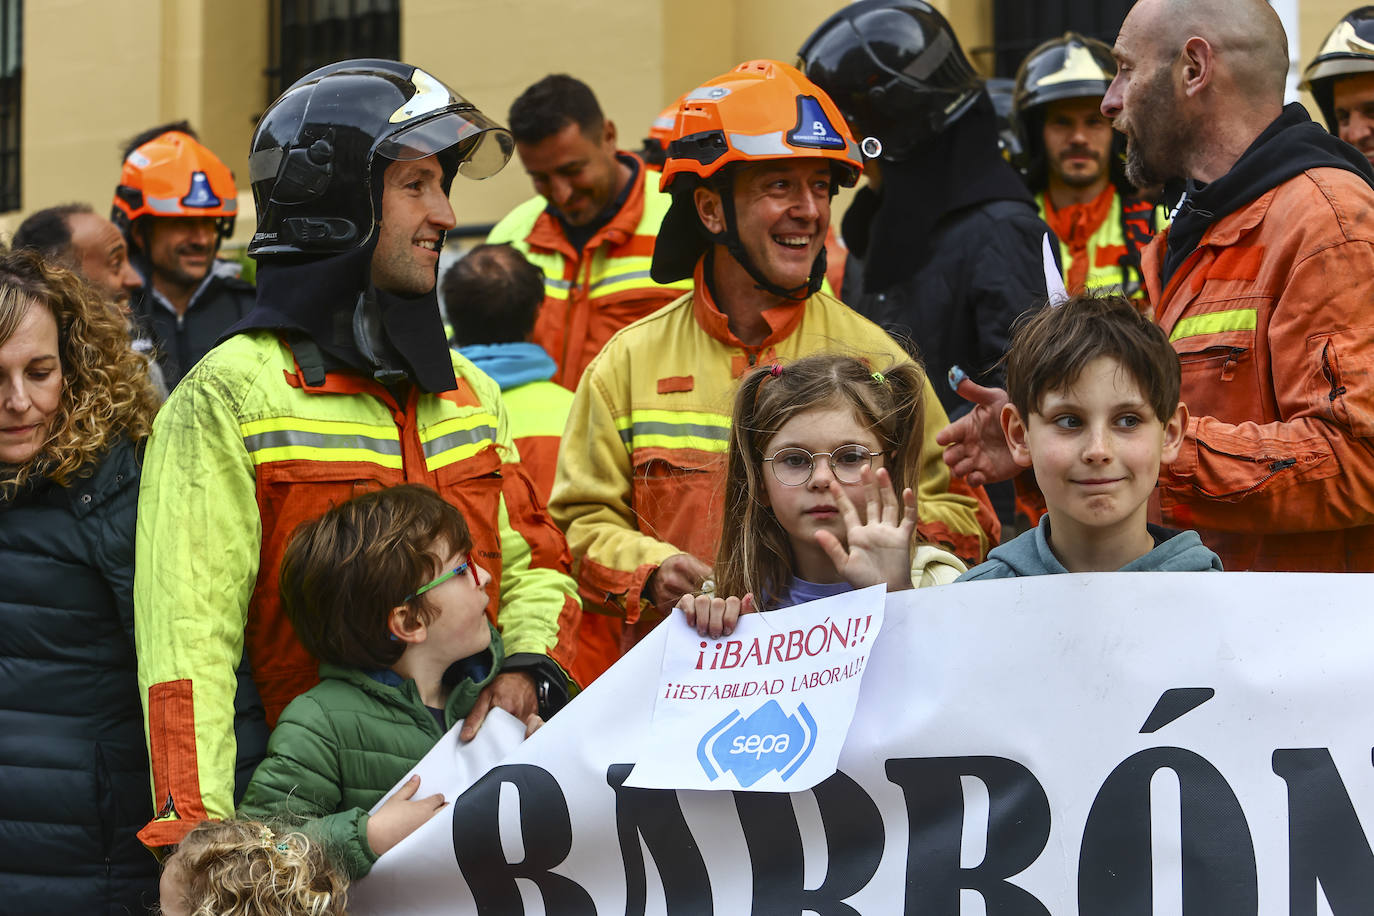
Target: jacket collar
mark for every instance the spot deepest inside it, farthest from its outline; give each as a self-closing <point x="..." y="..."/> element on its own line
<point x="782" y="319"/>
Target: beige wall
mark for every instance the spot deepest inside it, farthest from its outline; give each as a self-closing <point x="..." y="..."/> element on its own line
<point x="98" y="71"/>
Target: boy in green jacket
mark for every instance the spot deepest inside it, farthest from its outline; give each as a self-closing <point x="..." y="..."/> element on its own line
<point x="383" y="591"/>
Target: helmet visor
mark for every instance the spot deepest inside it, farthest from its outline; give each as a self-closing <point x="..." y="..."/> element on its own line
<point x="484" y="147"/>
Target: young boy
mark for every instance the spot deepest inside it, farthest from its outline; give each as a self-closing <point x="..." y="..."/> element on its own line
<point x="1094" y="412"/>
<point x="382" y="590"/>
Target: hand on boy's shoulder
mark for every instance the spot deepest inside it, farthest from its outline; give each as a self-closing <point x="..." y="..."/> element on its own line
<point x="513" y="691"/>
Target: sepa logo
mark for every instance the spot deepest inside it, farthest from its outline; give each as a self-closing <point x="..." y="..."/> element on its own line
<point x="754" y="747"/>
<point x="814" y="129"/>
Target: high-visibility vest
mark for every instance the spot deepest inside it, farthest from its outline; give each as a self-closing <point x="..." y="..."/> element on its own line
<point x="1114" y="247"/>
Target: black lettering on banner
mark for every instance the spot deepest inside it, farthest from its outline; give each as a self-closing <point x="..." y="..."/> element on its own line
<point x="1115" y="869"/>
<point x="1018" y="828"/>
<point x="854" y="842"/>
<point x="655" y="815"/>
<point x="1326" y="844"/>
<point x="545" y="831"/>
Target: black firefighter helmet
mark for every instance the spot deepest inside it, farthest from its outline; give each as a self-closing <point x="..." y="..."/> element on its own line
<point x="896" y="71"/>
<point x="1347" y="50"/>
<point x="1071" y="66"/>
<point x="319" y="151"/>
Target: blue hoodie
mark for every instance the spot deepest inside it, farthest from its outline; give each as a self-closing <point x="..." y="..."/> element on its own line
<point x="1029" y="554"/>
<point x="511" y="364"/>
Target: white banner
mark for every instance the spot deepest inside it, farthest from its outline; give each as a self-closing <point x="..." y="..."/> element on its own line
<point x="1147" y="743"/>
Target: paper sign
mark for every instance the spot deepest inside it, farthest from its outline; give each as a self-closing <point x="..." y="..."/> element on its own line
<point x="766" y="708"/>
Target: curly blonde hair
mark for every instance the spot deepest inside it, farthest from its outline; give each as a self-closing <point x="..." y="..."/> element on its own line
<point x="245" y="868"/>
<point x="106" y="392"/>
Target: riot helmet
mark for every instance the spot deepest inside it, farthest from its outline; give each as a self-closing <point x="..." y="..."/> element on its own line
<point x="896" y="71"/>
<point x="761" y="110"/>
<point x="1349" y="49"/>
<point x="319" y="151"/>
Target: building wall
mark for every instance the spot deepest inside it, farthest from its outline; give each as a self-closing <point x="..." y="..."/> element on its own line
<point x="99" y="71"/>
<point x="96" y="72"/>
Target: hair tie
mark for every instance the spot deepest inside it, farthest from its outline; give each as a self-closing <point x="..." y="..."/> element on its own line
<point x="878" y="377"/>
<point x="775" y="370"/>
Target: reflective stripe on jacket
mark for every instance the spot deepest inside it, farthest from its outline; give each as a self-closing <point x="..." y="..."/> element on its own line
<point x="592" y="293"/>
<point x="1271" y="319"/>
<point x="242" y="453"/>
<point x="651" y="422"/>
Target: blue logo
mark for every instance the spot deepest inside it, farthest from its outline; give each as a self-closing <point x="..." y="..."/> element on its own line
<point x="200" y="194"/>
<point x="814" y="129"/>
<point x="751" y="748"/>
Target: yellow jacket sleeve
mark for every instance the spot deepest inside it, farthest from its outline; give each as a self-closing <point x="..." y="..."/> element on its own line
<point x="198" y="546"/>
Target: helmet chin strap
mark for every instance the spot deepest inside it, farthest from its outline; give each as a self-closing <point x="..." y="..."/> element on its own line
<point x="729" y="237"/>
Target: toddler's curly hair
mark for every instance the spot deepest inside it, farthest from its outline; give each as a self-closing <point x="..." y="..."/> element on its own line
<point x="245" y="868"/>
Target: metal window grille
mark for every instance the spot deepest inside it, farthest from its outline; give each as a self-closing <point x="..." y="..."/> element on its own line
<point x="11" y="99"/>
<point x="307" y="34"/>
<point x="1020" y="25"/>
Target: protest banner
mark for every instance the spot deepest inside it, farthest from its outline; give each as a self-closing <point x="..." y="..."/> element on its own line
<point x="1153" y="743"/>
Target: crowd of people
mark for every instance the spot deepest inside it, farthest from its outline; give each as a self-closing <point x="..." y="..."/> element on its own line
<point x="263" y="545"/>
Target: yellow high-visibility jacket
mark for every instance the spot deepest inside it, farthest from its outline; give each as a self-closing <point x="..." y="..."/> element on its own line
<point x="243" y="452"/>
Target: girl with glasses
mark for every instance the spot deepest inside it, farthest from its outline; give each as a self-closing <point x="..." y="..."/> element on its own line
<point x="820" y="450"/>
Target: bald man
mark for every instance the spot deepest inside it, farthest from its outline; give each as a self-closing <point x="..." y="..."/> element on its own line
<point x="1263" y="283"/>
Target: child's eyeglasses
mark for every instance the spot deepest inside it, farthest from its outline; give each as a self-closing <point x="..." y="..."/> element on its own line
<point x="458" y="570"/>
<point x="794" y="466"/>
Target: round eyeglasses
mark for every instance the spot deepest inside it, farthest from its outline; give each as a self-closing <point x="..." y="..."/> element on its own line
<point x="794" y="466"/>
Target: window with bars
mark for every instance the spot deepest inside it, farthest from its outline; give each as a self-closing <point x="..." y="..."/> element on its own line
<point x="11" y="100"/>
<point x="307" y="34"/>
<point x="1020" y="25"/>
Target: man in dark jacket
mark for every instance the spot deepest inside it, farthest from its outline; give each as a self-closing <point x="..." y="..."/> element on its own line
<point x="175" y="203"/>
<point x="948" y="237"/>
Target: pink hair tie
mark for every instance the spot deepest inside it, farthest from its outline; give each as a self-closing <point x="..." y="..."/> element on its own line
<point x="775" y="370"/>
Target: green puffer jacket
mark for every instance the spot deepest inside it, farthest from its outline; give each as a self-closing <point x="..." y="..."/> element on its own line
<point x="340" y="746"/>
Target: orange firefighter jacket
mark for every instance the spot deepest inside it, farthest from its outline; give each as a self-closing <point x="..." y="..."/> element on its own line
<point x="1271" y="319"/>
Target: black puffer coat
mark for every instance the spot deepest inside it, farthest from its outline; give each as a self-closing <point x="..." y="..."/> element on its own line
<point x="74" y="785"/>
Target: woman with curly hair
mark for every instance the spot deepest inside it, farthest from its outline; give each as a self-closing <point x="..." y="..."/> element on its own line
<point x="244" y="868"/>
<point x="75" y="408"/>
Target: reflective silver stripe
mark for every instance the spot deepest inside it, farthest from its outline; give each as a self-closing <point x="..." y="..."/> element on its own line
<point x="284" y="438"/>
<point x="173" y="205"/>
<point x="698" y="430"/>
<point x="764" y="145"/>
<point x="622" y="278"/>
<point x="557" y="284"/>
<point x="462" y="437"/>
